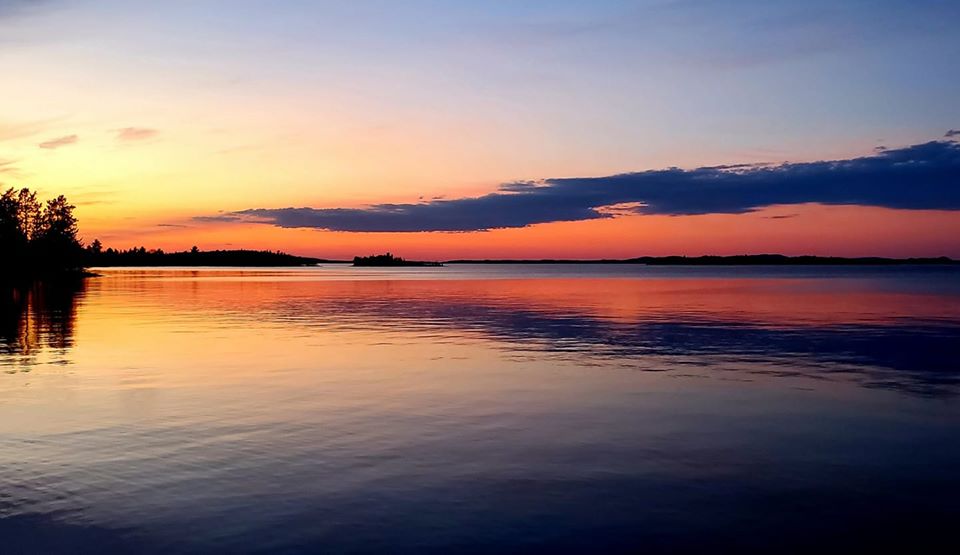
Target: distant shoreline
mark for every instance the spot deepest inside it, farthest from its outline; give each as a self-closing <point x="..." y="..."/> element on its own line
<point x="737" y="260"/>
<point x="224" y="259"/>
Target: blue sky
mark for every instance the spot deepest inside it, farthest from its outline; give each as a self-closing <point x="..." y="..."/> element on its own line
<point x="600" y="75"/>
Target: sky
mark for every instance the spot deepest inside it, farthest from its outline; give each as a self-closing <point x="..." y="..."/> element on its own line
<point x="496" y="129"/>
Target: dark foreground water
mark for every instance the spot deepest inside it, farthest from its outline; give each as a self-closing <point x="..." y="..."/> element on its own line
<point x="485" y="409"/>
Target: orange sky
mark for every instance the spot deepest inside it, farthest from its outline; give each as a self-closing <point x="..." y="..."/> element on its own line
<point x="148" y="116"/>
<point x="146" y="192"/>
<point x="807" y="229"/>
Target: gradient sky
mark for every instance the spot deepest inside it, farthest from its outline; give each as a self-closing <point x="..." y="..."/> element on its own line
<point x="189" y="122"/>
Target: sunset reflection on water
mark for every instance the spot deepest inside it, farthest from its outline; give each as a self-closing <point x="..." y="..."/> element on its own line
<point x="268" y="410"/>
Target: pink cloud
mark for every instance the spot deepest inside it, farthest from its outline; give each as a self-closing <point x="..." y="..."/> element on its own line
<point x="59" y="142"/>
<point x="135" y="133"/>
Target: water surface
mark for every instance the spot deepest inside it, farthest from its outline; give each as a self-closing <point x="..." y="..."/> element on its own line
<point x="481" y="408"/>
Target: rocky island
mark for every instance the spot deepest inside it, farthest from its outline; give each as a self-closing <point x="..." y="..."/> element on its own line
<point x="388" y="260"/>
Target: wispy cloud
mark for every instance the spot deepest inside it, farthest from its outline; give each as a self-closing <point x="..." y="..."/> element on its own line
<point x="92" y="197"/>
<point x="8" y="167"/>
<point x="130" y="134"/>
<point x="219" y="218"/>
<point x="59" y="142"/>
<point x="952" y="133"/>
<point x="17" y="130"/>
<point x="724" y="35"/>
<point x="922" y="176"/>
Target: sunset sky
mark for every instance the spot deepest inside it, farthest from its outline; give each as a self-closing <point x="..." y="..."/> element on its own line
<point x="443" y="129"/>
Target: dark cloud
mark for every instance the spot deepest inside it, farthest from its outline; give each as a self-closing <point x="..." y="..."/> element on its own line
<point x="172" y="225"/>
<point x="59" y="142"/>
<point x="919" y="177"/>
<point x="952" y="133"/>
<point x="128" y="134"/>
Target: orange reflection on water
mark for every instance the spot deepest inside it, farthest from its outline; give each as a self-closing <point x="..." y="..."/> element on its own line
<point x="761" y="301"/>
<point x="179" y="399"/>
<point x="220" y="326"/>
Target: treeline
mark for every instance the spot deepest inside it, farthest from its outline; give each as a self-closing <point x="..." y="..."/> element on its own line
<point x="37" y="237"/>
<point x="96" y="255"/>
<point x="40" y="239"/>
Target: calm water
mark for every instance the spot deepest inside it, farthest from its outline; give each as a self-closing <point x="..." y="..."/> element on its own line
<point x="481" y="409"/>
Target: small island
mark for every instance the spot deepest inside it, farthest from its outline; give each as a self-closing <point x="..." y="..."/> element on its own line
<point x="388" y="260"/>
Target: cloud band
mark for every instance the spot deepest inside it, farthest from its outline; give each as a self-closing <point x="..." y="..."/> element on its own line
<point x="919" y="177"/>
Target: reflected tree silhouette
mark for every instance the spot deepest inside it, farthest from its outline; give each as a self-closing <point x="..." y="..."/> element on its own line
<point x="37" y="315"/>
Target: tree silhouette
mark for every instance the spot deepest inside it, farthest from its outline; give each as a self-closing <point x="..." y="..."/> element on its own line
<point x="13" y="241"/>
<point x="36" y="237"/>
<point x="28" y="213"/>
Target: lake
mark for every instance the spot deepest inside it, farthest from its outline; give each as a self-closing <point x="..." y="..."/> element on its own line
<point x="500" y="408"/>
